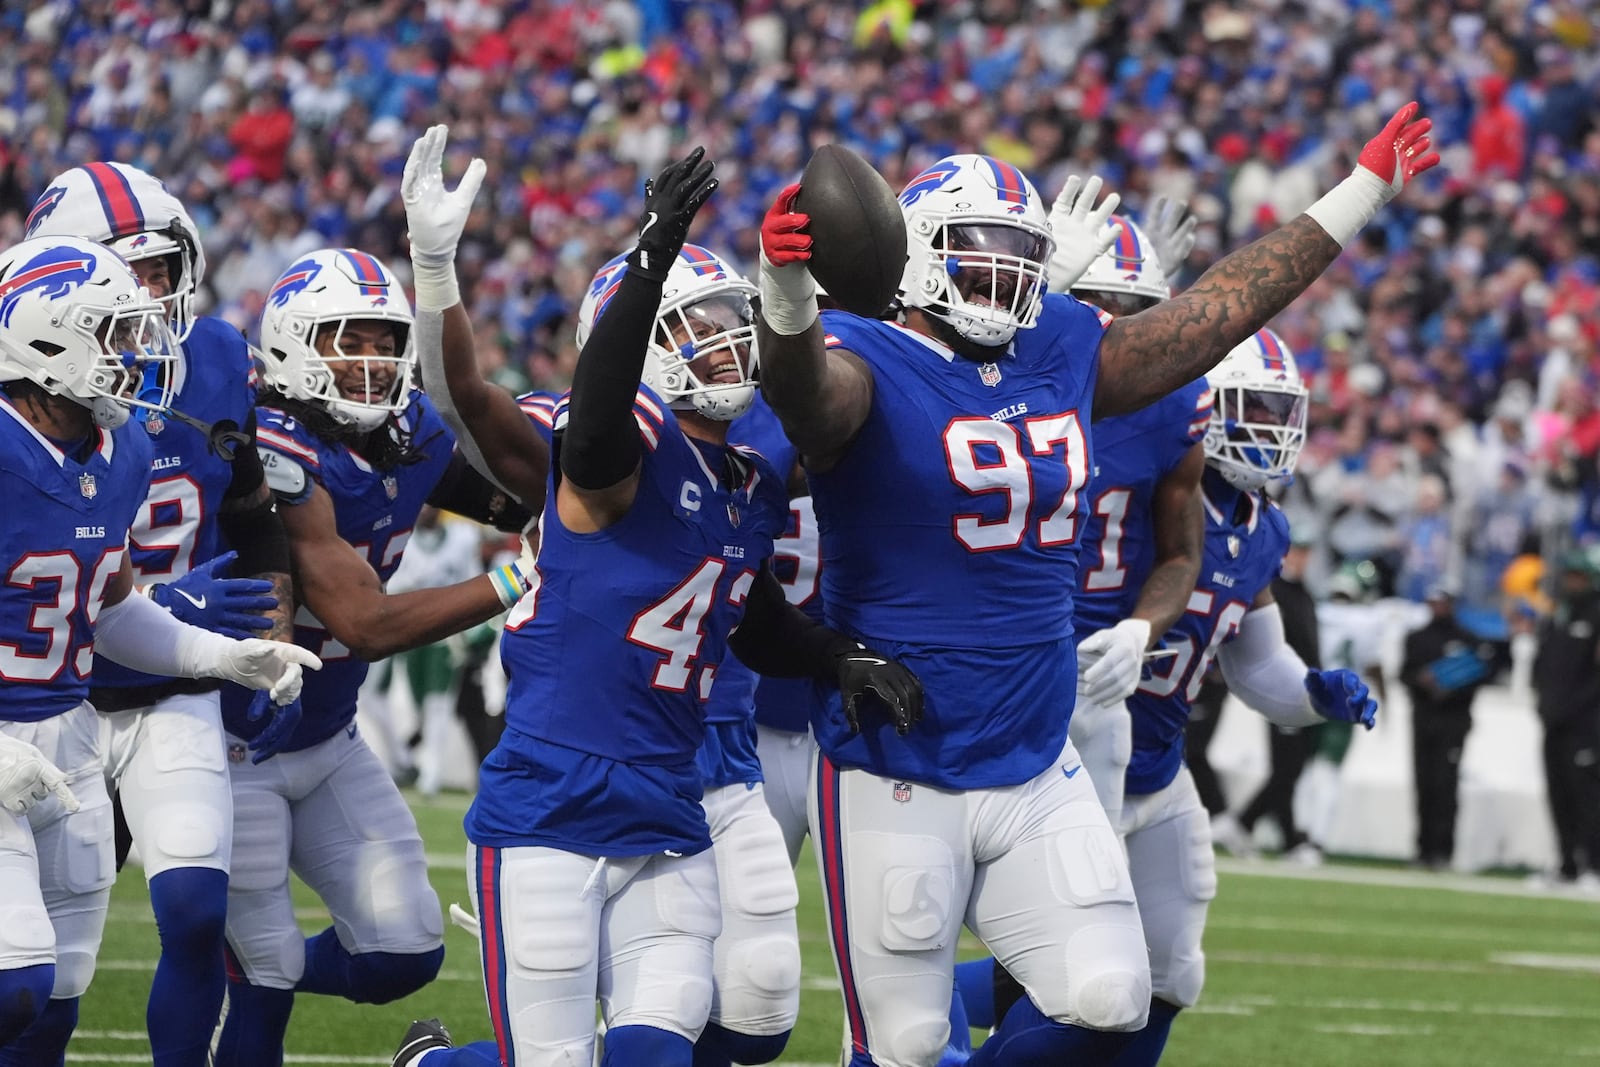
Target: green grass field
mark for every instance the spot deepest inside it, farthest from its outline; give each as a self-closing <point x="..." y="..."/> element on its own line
<point x="1346" y="965"/>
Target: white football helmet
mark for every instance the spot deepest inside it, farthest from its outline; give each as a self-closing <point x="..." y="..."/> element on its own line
<point x="1130" y="267"/>
<point x="977" y="246"/>
<point x="122" y="206"/>
<point x="332" y="288"/>
<point x="705" y="308"/>
<point x="1258" y="414"/>
<point x="75" y="321"/>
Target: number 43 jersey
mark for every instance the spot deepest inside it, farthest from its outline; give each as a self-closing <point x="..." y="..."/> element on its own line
<point x="63" y="532"/>
<point x="950" y="542"/>
<point x="1246" y="537"/>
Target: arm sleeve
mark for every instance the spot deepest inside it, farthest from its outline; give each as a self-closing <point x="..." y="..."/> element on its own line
<point x="466" y="491"/>
<point x="139" y="633"/>
<point x="255" y="531"/>
<point x="1264" y="672"/>
<point x="600" y="445"/>
<point x="778" y="639"/>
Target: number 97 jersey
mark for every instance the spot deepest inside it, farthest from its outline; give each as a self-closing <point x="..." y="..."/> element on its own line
<point x="62" y="538"/>
<point x="949" y="541"/>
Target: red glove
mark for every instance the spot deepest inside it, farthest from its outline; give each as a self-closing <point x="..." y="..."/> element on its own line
<point x="784" y="241"/>
<point x="1401" y="151"/>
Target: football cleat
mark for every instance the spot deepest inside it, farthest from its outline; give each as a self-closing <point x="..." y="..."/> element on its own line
<point x="425" y="1036"/>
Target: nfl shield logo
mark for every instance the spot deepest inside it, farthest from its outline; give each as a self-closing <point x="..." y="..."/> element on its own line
<point x="155" y="424"/>
<point x="902" y="792"/>
<point x="1233" y="546"/>
<point x="391" y="487"/>
<point x="236" y="752"/>
<point x="733" y="514"/>
<point x="87" y="487"/>
<point x="989" y="374"/>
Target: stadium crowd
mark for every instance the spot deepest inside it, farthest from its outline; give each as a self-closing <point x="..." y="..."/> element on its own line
<point x="1449" y="352"/>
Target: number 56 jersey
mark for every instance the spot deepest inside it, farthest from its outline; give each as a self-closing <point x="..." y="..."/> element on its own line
<point x="949" y="537"/>
<point x="63" y="533"/>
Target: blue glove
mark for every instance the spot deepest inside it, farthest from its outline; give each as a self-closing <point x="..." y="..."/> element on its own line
<point x="285" y="717"/>
<point x="231" y="607"/>
<point x="1341" y="696"/>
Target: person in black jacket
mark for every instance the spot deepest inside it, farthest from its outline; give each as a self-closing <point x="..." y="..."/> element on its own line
<point x="1444" y="666"/>
<point x="1290" y="747"/>
<point x="1566" y="674"/>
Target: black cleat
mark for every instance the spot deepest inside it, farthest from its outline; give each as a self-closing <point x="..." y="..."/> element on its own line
<point x="424" y="1036"/>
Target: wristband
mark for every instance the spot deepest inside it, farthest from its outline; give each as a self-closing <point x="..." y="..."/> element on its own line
<point x="788" y="298"/>
<point x="509" y="584"/>
<point x="435" y="285"/>
<point x="1351" y="204"/>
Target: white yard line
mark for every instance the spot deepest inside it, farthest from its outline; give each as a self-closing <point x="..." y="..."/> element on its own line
<point x="1311" y="925"/>
<point x="1400" y="879"/>
<point x="1549" y="961"/>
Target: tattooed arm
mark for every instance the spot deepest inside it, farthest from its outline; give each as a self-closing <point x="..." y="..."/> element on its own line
<point x="1145" y="356"/>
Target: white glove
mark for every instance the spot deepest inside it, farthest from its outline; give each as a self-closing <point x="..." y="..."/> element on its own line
<point x="1110" y="662"/>
<point x="1170" y="225"/>
<point x="26" y="778"/>
<point x="271" y="665"/>
<point x="1080" y="230"/>
<point x="435" y="218"/>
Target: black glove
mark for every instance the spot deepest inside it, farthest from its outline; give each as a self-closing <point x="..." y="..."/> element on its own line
<point x="671" y="199"/>
<point x="899" y="691"/>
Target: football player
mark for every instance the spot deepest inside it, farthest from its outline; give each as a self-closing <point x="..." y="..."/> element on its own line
<point x="208" y="511"/>
<point x="948" y="455"/>
<point x="82" y="343"/>
<point x="593" y="874"/>
<point x="1141" y="541"/>
<point x="1257" y="426"/>
<point x="352" y="452"/>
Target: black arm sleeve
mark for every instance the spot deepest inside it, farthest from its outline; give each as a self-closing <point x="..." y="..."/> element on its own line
<point x="255" y="531"/>
<point x="466" y="492"/>
<point x="600" y="446"/>
<point x="779" y="639"/>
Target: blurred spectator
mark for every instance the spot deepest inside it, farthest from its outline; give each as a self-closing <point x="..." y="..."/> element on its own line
<point x="1444" y="666"/>
<point x="1566" y="674"/>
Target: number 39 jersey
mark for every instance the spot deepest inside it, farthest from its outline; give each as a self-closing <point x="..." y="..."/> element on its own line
<point x="613" y="654"/>
<point x="62" y="537"/>
<point x="177" y="527"/>
<point x="1246" y="537"/>
<point x="1132" y="453"/>
<point x="949" y="542"/>
<point x="375" y="512"/>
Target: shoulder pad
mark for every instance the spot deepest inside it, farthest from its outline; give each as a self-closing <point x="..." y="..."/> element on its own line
<point x="285" y="477"/>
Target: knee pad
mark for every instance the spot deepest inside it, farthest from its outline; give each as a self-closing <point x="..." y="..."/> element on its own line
<point x="917" y="1040"/>
<point x="405" y="910"/>
<point x="1185" y="977"/>
<point x="380" y="977"/>
<point x="770" y="964"/>
<point x="1111" y="1000"/>
<point x="24" y="992"/>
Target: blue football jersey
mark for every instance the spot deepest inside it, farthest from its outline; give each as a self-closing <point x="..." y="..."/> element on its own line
<point x="1246" y="537"/>
<point x="177" y="528"/>
<point x="950" y="542"/>
<point x="614" y="653"/>
<point x="787" y="703"/>
<point x="62" y="540"/>
<point x="1132" y="453"/>
<point x="375" y="512"/>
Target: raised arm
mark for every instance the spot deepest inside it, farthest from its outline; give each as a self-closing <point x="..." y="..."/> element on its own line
<point x="1145" y="356"/>
<point x="600" y="448"/>
<point x="821" y="395"/>
<point x="491" y="430"/>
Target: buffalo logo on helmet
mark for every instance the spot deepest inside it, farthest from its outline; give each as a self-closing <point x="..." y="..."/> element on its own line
<point x="294" y="280"/>
<point x="44" y="207"/>
<point x="928" y="181"/>
<point x="52" y="273"/>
